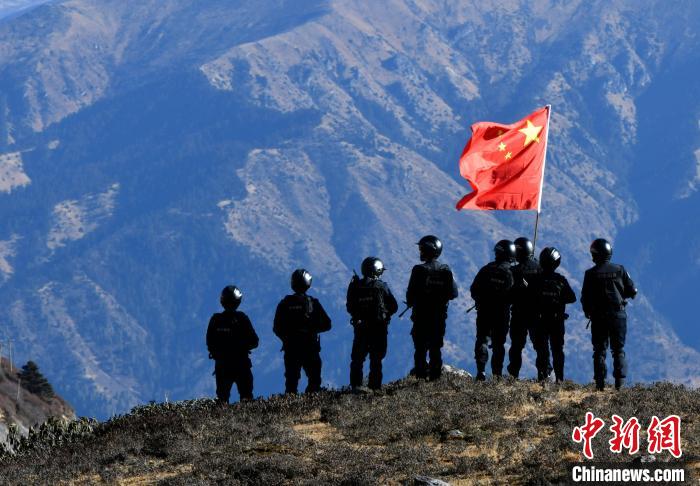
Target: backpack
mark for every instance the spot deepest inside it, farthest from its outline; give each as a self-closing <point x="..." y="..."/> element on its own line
<point x="368" y="301"/>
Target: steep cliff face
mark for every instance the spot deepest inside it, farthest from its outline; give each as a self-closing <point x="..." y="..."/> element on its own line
<point x="23" y="408"/>
<point x="155" y="151"/>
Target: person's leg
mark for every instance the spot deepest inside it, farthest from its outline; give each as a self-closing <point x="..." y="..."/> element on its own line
<point x="357" y="357"/>
<point x="481" y="350"/>
<point x="377" y="352"/>
<point x="599" y="339"/>
<point x="556" y="337"/>
<point x="244" y="383"/>
<point x="618" y="334"/>
<point x="292" y="370"/>
<point x="312" y="368"/>
<point x="224" y="381"/>
<point x="420" y="366"/>
<point x="518" y="337"/>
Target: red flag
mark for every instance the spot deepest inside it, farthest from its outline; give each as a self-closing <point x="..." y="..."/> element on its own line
<point x="504" y="164"/>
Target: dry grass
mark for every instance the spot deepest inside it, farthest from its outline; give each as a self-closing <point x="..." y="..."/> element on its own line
<point x="513" y="433"/>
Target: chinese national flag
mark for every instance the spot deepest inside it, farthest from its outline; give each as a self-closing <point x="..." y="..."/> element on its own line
<point x="505" y="163"/>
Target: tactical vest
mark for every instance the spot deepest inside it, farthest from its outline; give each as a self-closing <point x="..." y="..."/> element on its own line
<point x="497" y="283"/>
<point x="223" y="336"/>
<point x="299" y="312"/>
<point x="437" y="286"/>
<point x="550" y="296"/>
<point x="609" y="287"/>
<point x="368" y="302"/>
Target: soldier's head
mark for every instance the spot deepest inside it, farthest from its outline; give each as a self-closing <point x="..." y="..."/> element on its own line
<point x="372" y="267"/>
<point x="601" y="250"/>
<point x="550" y="258"/>
<point x="524" y="249"/>
<point x="300" y="281"/>
<point x="430" y="248"/>
<point x="231" y="297"/>
<point x="504" y="251"/>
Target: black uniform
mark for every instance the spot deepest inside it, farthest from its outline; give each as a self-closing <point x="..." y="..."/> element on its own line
<point x="230" y="338"/>
<point x="430" y="289"/>
<point x="553" y="293"/>
<point x="298" y="321"/>
<point x="371" y="305"/>
<point x="491" y="290"/>
<point x="605" y="288"/>
<point x="523" y="311"/>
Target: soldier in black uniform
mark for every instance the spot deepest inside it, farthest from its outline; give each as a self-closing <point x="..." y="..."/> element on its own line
<point x="298" y="321"/>
<point x="524" y="309"/>
<point x="491" y="290"/>
<point x="430" y="289"/>
<point x="230" y="338"/>
<point x="371" y="305"/>
<point x="553" y="292"/>
<point x="606" y="287"/>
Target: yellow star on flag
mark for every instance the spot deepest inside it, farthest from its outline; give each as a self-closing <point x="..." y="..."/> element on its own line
<point x="508" y="155"/>
<point x="531" y="133"/>
<point x="501" y="147"/>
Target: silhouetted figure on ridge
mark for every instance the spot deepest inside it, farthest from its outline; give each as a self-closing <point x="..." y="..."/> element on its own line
<point x="552" y="293"/>
<point x="371" y="305"/>
<point x="606" y="286"/>
<point x="298" y="321"/>
<point x="524" y="315"/>
<point x="492" y="292"/>
<point x="230" y="338"/>
<point x="430" y="289"/>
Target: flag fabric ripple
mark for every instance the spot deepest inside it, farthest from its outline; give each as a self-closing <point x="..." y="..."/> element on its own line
<point x="504" y="164"/>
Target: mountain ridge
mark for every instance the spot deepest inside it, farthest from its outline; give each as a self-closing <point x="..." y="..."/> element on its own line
<point x="203" y="159"/>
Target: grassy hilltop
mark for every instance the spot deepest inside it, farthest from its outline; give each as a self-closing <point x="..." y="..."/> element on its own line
<point x="511" y="433"/>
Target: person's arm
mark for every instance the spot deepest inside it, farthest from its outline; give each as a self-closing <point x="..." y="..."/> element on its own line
<point x="279" y="325"/>
<point x="567" y="294"/>
<point x="630" y="291"/>
<point x="324" y="322"/>
<point x="350" y="299"/>
<point x="210" y="327"/>
<point x="585" y="292"/>
<point x="412" y="289"/>
<point x="454" y="290"/>
<point x="475" y="288"/>
<point x="250" y="336"/>
<point x="389" y="301"/>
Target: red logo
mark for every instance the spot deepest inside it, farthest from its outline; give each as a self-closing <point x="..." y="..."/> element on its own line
<point x="662" y="435"/>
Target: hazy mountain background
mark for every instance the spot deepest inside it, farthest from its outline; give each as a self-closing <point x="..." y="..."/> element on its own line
<point x="155" y="151"/>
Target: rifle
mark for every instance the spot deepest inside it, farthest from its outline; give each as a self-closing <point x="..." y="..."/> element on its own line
<point x="405" y="310"/>
<point x="589" y="324"/>
<point x="471" y="308"/>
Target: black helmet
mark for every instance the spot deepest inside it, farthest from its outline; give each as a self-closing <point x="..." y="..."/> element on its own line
<point x="372" y="267"/>
<point x="601" y="250"/>
<point x="505" y="251"/>
<point x="430" y="247"/>
<point x="524" y="248"/>
<point x="231" y="297"/>
<point x="301" y="280"/>
<point x="550" y="258"/>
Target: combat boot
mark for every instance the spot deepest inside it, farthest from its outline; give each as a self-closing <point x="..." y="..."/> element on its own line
<point x="619" y="383"/>
<point x="600" y="385"/>
<point x="481" y="376"/>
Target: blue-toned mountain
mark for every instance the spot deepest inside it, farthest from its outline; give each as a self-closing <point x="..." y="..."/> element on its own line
<point x="154" y="151"/>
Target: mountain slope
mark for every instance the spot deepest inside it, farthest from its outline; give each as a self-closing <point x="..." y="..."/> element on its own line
<point x="161" y="150"/>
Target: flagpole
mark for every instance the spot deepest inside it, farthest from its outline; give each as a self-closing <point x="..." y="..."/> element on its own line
<point x="544" y="163"/>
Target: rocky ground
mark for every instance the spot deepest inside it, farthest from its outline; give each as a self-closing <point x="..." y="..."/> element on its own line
<point x="455" y="430"/>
